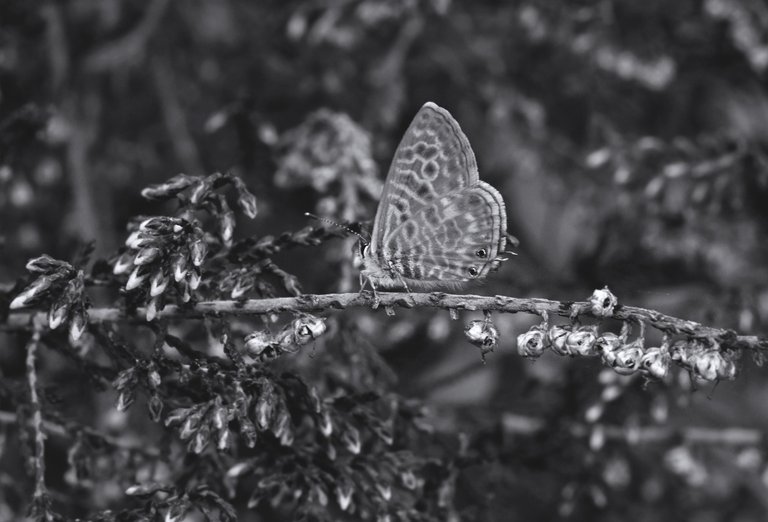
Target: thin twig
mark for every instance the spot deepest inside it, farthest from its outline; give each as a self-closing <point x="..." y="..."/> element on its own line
<point x="37" y="414"/>
<point x="327" y="302"/>
<point x="514" y="424"/>
<point x="53" y="428"/>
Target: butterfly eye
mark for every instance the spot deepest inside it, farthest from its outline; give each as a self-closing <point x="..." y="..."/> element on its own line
<point x="472" y="271"/>
<point x="481" y="253"/>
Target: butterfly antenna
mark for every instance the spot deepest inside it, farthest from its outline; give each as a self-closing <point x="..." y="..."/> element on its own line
<point x="339" y="225"/>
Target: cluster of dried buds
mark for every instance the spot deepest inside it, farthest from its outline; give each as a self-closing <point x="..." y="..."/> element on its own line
<point x="127" y="382"/>
<point x="201" y="423"/>
<point x="61" y="286"/>
<point x="266" y="346"/>
<point x="202" y="195"/>
<point x="706" y="362"/>
<point x="163" y="252"/>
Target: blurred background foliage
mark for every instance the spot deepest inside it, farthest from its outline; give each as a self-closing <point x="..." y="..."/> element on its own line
<point x="628" y="140"/>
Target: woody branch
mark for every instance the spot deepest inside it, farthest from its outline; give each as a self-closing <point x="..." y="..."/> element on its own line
<point x="389" y="300"/>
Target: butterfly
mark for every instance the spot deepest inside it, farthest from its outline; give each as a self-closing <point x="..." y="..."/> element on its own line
<point x="437" y="224"/>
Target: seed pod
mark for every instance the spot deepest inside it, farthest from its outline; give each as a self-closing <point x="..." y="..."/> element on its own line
<point x="557" y="336"/>
<point x="606" y="346"/>
<point x="727" y="369"/>
<point x="655" y="362"/>
<point x="308" y="328"/>
<point x="257" y="342"/>
<point x="707" y="364"/>
<point x="628" y="358"/>
<point x="482" y="333"/>
<point x="179" y="266"/>
<point x="581" y="341"/>
<point x="532" y="343"/>
<point x="603" y="302"/>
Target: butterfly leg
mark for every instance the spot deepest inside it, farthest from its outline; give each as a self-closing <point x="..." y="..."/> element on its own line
<point x="366" y="279"/>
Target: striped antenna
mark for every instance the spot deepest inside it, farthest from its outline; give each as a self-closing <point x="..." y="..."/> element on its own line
<point x="339" y="225"/>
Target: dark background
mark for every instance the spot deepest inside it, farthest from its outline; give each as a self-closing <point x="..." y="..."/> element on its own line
<point x="628" y="140"/>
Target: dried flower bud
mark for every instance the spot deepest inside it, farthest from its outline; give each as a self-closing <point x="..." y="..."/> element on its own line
<point x="194" y="278"/>
<point x="243" y="285"/>
<point x="655" y="362"/>
<point x="603" y="302"/>
<point x="125" y="399"/>
<point x="78" y="324"/>
<point x="197" y="251"/>
<point x="308" y="328"/>
<point x="137" y="278"/>
<point x="45" y="264"/>
<point x="184" y="291"/>
<point x="137" y="240"/>
<point x="248" y="204"/>
<point x="155" y="407"/>
<point x="179" y="266"/>
<point x="123" y="264"/>
<point x="557" y="336"/>
<point x="628" y="358"/>
<point x="325" y="424"/>
<point x="146" y="256"/>
<point x="58" y="312"/>
<point x="38" y="287"/>
<point x="170" y="188"/>
<point x="264" y="408"/>
<point x="533" y="342"/>
<point x="227" y="227"/>
<point x="351" y="439"/>
<point x="257" y="342"/>
<point x="344" y="491"/>
<point x="158" y="283"/>
<point x="482" y="333"/>
<point x="153" y="306"/>
<point x="409" y="479"/>
<point x="606" y="345"/>
<point x="153" y="377"/>
<point x="581" y="341"/>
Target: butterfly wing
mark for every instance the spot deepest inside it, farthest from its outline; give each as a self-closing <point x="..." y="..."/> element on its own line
<point x="456" y="238"/>
<point x="433" y="159"/>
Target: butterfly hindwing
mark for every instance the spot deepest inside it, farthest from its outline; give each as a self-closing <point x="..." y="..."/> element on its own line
<point x="458" y="237"/>
<point x="434" y="159"/>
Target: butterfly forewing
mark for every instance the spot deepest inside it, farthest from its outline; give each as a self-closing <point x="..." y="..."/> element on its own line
<point x="436" y="221"/>
<point x="433" y="159"/>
